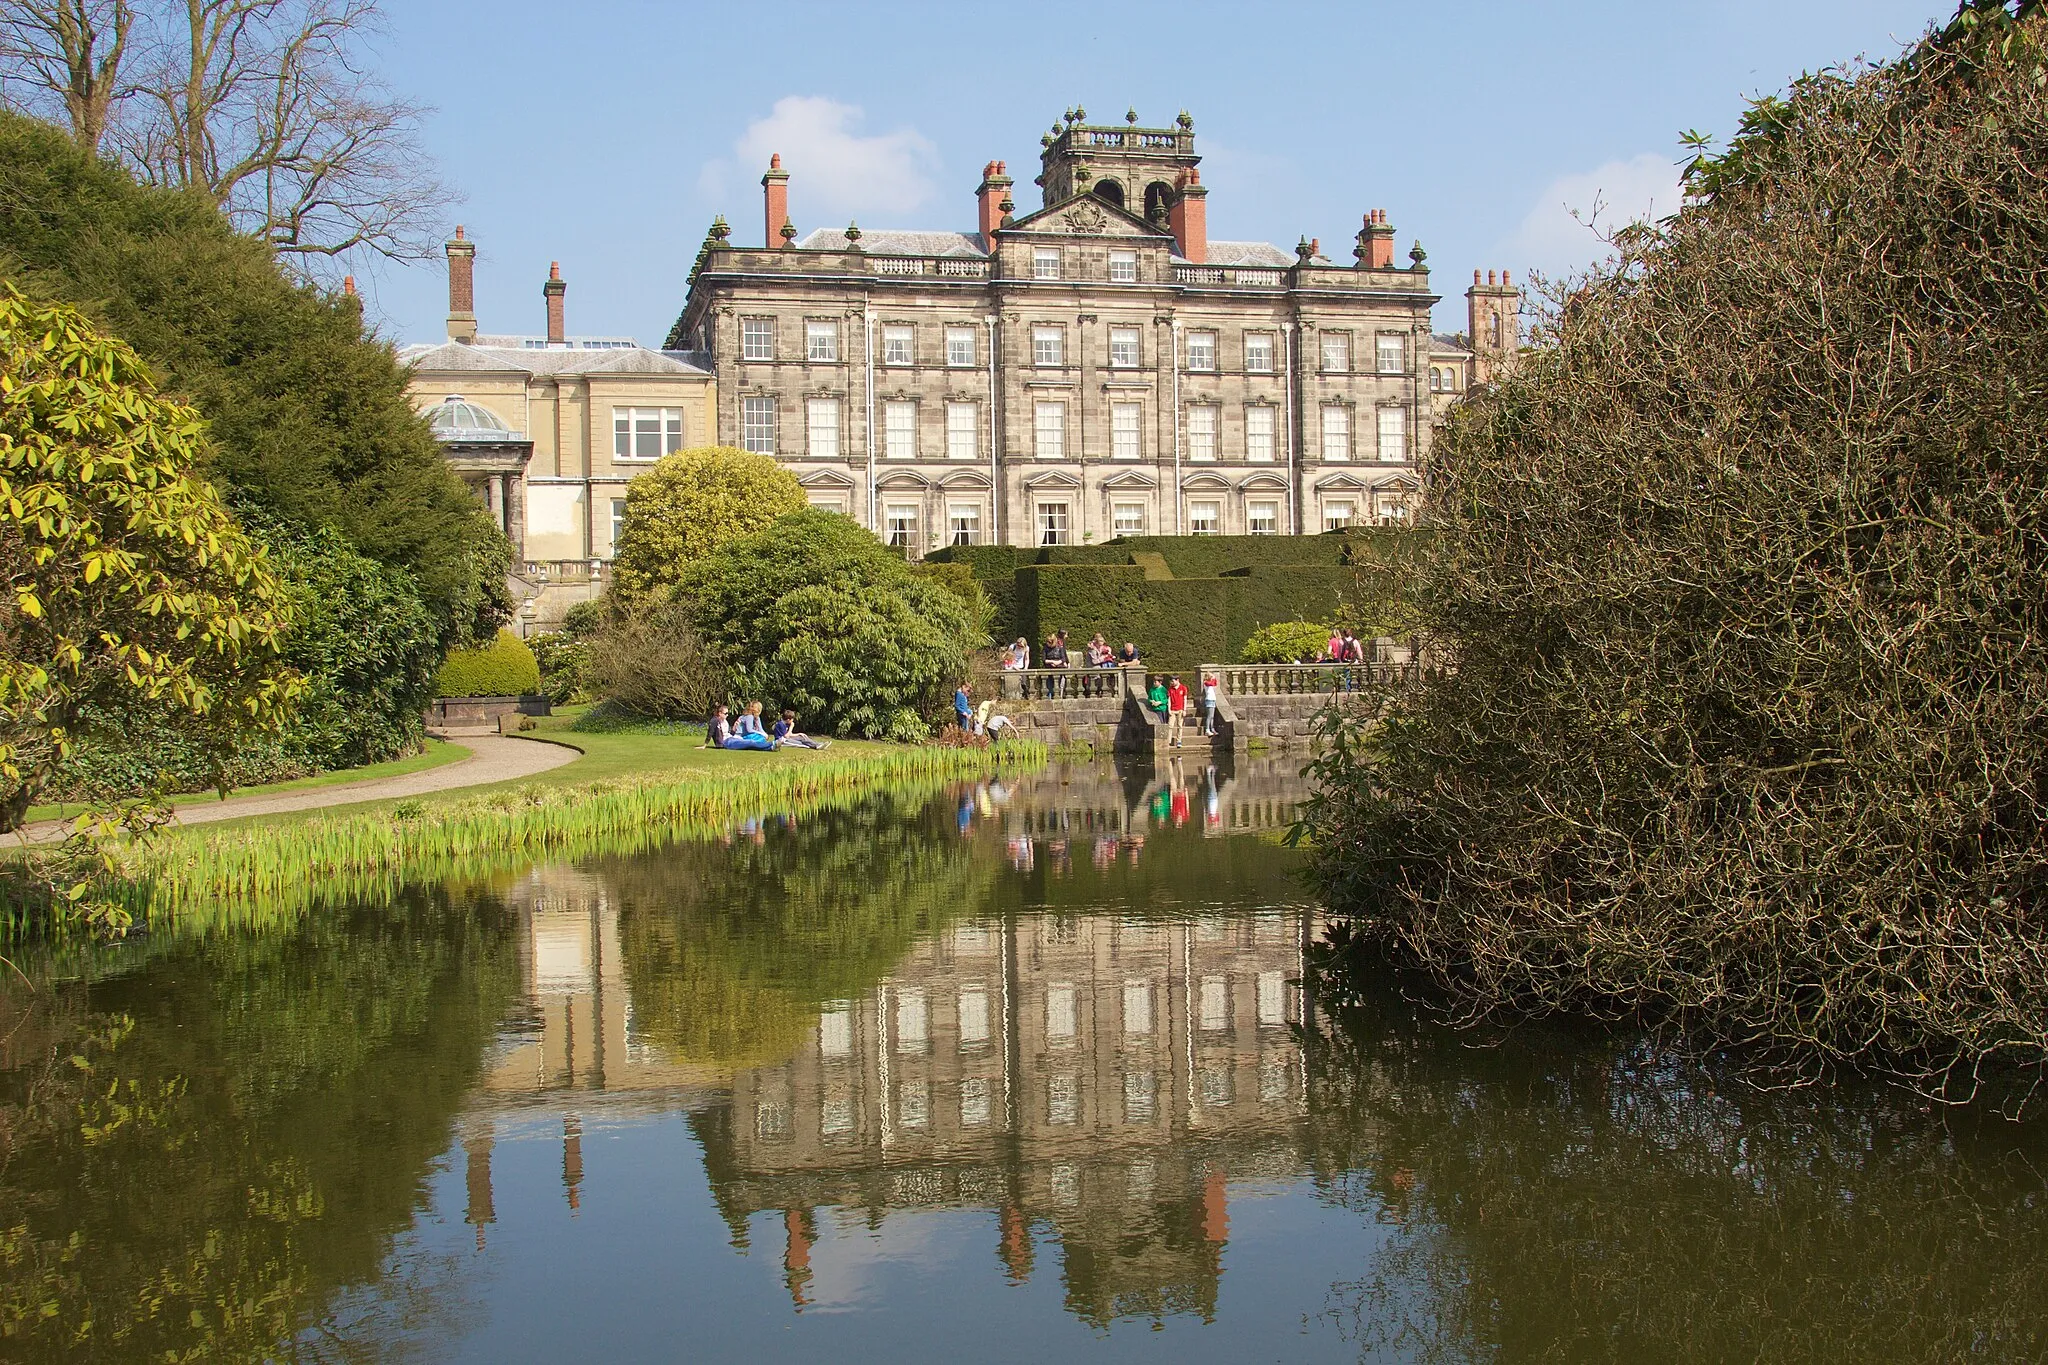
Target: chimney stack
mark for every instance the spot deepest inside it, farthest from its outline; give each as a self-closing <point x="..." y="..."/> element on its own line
<point x="1189" y="217"/>
<point x="1375" y="249"/>
<point x="995" y="189"/>
<point x="775" y="204"/>
<point x="461" y="288"/>
<point x="552" y="291"/>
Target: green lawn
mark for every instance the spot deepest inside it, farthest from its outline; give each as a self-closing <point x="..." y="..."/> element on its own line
<point x="607" y="755"/>
<point x="434" y="755"/>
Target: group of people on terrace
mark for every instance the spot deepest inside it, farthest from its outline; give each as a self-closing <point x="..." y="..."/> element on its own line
<point x="1097" y="653"/>
<point x="745" y="731"/>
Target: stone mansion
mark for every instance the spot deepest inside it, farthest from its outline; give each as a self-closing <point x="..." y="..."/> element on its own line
<point x="1095" y="368"/>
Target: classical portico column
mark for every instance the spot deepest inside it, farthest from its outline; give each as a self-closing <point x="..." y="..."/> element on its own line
<point x="494" y="498"/>
<point x="515" y="519"/>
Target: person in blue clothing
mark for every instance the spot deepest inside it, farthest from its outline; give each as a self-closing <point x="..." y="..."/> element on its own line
<point x="963" y="709"/>
<point x="747" y="732"/>
<point x="786" y="734"/>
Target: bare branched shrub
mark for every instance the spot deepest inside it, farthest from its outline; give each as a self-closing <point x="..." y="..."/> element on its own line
<point x="652" y="662"/>
<point x="1745" y="578"/>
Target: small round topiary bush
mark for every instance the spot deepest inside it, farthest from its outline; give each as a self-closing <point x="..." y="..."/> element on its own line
<point x="504" y="668"/>
<point x="1284" y="642"/>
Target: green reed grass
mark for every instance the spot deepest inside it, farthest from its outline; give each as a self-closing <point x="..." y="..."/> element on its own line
<point x="203" y="879"/>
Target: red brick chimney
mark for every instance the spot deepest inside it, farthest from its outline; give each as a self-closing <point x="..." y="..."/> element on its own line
<point x="461" y="288"/>
<point x="1375" y="250"/>
<point x="1189" y="217"/>
<point x="995" y="188"/>
<point x="775" y="204"/>
<point x="558" y="333"/>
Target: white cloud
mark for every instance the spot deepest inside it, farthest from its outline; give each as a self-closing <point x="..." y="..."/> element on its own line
<point x="1549" y="238"/>
<point x="835" y="172"/>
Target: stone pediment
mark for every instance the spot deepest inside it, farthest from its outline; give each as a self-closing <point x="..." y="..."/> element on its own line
<point x="1087" y="216"/>
<point x="824" y="478"/>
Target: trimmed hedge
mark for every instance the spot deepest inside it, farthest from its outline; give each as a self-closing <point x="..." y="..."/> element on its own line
<point x="504" y="668"/>
<point x="1224" y="588"/>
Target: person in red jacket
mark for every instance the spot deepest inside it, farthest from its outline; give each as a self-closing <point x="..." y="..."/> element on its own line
<point x="1176" y="711"/>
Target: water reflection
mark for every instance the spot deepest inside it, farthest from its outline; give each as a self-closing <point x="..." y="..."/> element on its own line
<point x="1020" y="1071"/>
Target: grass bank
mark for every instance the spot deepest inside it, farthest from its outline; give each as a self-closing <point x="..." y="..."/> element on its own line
<point x="436" y="753"/>
<point x="218" y="874"/>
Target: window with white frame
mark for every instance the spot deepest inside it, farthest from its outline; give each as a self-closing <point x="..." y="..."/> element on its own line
<point x="1205" y="517"/>
<point x="1339" y="513"/>
<point x="1201" y="350"/>
<point x="1049" y="346"/>
<point x="1123" y="348"/>
<point x="821" y="418"/>
<point x="1127" y="519"/>
<point x="1123" y="267"/>
<point x="899" y="430"/>
<point x="1049" y="430"/>
<point x="828" y="502"/>
<point x="963" y="523"/>
<point x="1262" y="517"/>
<point x="1336" y="352"/>
<point x="646" y="433"/>
<point x="1258" y="353"/>
<point x="896" y="345"/>
<point x="1125" y="422"/>
<point x="757" y="425"/>
<point x="821" y="340"/>
<point x="1202" y="432"/>
<point x="1052" y="523"/>
<point x="1258" y="434"/>
<point x="901" y="520"/>
<point x="960" y="347"/>
<point x="1392" y="507"/>
<point x="1393" y="434"/>
<point x="1045" y="263"/>
<point x="1393" y="353"/>
<point x="1336" y="432"/>
<point x="618" y="522"/>
<point x="963" y="428"/>
<point x="757" y="338"/>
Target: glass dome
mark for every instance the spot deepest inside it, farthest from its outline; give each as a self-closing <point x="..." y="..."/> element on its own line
<point x="455" y="418"/>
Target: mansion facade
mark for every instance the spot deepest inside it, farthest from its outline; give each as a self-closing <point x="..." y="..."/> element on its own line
<point x="1096" y="368"/>
<point x="1093" y="369"/>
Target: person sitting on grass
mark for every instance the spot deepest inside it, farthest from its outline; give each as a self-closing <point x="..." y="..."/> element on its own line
<point x="747" y="732"/>
<point x="786" y="734"/>
<point x="717" y="730"/>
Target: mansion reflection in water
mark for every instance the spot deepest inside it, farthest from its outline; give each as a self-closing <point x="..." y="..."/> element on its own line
<point x="1084" y="1070"/>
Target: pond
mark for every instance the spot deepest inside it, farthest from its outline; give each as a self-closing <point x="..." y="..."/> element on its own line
<point x="1013" y="1070"/>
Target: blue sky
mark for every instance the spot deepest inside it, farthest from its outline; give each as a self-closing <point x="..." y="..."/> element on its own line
<point x="606" y="134"/>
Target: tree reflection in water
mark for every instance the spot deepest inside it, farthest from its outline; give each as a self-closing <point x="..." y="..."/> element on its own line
<point x="1574" y="1196"/>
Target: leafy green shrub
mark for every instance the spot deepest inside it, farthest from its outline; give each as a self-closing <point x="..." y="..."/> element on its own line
<point x="1284" y="642"/>
<point x="1742" y="578"/>
<point x="564" y="663"/>
<point x="817" y="614"/>
<point x="503" y="668"/>
<point x="689" y="504"/>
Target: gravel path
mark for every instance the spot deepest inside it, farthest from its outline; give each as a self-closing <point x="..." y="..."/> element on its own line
<point x="493" y="758"/>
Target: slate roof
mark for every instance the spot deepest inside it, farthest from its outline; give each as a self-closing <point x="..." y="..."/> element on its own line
<point x="1250" y="253"/>
<point x="895" y="242"/>
<point x="1446" y="343"/>
<point x="456" y="356"/>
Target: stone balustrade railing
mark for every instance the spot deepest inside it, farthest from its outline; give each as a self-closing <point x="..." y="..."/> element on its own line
<point x="1236" y="680"/>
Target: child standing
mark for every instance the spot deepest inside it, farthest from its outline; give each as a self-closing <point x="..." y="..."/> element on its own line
<point x="1210" y="687"/>
<point x="1176" y="710"/>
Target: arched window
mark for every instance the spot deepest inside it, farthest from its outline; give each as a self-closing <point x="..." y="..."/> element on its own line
<point x="1158" y="200"/>
<point x="1493" y="330"/>
<point x="1109" y="192"/>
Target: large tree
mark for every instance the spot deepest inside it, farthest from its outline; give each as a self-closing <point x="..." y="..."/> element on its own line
<point x="1741" y="580"/>
<point x="127" y="581"/>
<point x="266" y="107"/>
<point x="308" y="414"/>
